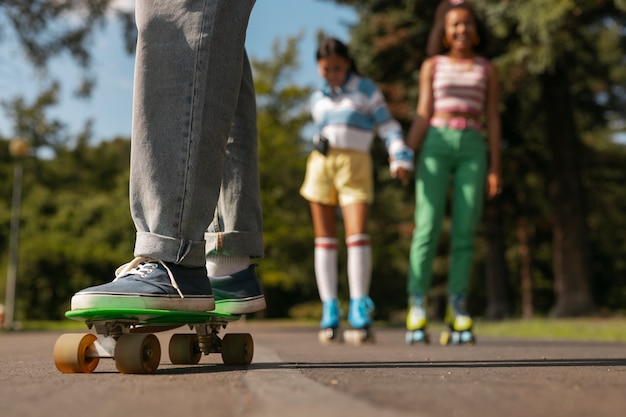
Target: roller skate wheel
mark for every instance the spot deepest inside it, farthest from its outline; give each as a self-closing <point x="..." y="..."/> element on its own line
<point x="329" y="335"/>
<point x="467" y="337"/>
<point x="444" y="339"/>
<point x="416" y="336"/>
<point x="358" y="336"/>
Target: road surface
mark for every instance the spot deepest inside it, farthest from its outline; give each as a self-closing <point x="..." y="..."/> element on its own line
<point x="292" y="375"/>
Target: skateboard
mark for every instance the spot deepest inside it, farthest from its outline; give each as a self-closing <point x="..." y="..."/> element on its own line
<point x="125" y="335"/>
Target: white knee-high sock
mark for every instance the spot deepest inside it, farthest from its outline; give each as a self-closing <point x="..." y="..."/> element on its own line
<point x="359" y="265"/>
<point x="326" y="267"/>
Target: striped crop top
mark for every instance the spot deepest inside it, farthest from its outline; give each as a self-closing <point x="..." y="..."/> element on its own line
<point x="459" y="87"/>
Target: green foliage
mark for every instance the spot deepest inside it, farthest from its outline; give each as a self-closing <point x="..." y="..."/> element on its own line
<point x="581" y="41"/>
<point x="76" y="227"/>
<point x="75" y="222"/>
<point x="47" y="29"/>
<point x="74" y="234"/>
<point x="286" y="271"/>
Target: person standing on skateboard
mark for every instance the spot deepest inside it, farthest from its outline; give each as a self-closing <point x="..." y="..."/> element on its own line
<point x="193" y="165"/>
<point x="339" y="173"/>
<point x="457" y="121"/>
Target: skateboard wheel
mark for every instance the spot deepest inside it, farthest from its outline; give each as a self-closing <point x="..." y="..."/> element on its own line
<point x="237" y="349"/>
<point x="70" y="353"/>
<point x="137" y="353"/>
<point x="184" y="349"/>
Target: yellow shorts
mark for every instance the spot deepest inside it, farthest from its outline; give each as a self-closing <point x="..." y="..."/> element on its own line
<point x="341" y="177"/>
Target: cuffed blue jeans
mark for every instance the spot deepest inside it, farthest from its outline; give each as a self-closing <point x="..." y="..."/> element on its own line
<point x="460" y="155"/>
<point x="193" y="168"/>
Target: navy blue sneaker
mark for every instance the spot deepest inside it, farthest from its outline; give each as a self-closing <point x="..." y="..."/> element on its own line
<point x="239" y="293"/>
<point x="146" y="283"/>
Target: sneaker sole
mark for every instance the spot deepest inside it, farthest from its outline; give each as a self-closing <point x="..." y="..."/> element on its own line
<point x="142" y="302"/>
<point x="241" y="306"/>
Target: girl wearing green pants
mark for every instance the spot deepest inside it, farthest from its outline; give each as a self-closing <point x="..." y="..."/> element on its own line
<point x="456" y="112"/>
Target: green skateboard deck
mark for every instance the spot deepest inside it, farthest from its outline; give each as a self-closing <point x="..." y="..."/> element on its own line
<point x="156" y="318"/>
<point x="125" y="336"/>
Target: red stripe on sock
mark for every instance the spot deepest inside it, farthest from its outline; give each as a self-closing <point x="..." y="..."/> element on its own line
<point x="358" y="243"/>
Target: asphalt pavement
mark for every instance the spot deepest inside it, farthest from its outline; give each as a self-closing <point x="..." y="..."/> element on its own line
<point x="293" y="375"/>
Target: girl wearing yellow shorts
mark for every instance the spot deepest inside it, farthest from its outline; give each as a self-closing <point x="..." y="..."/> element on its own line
<point x="346" y="110"/>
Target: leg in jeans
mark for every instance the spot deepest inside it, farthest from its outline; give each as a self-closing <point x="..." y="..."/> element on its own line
<point x="236" y="233"/>
<point x="237" y="227"/>
<point x="188" y="72"/>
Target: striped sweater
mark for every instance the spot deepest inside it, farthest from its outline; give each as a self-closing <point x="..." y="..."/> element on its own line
<point x="348" y="115"/>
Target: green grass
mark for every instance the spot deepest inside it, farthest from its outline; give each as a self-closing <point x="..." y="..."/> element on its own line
<point x="584" y="329"/>
<point x="591" y="329"/>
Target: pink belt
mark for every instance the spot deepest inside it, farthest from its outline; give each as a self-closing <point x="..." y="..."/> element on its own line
<point x="457" y="123"/>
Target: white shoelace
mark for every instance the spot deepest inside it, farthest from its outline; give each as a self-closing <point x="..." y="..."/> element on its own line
<point x="140" y="266"/>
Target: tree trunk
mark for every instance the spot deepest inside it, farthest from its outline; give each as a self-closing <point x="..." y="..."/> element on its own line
<point x="570" y="237"/>
<point x="498" y="300"/>
<point x="525" y="269"/>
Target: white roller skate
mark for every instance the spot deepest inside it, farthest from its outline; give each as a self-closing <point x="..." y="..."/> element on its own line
<point x="331" y="315"/>
<point x="416" y="321"/>
<point x="360" y="319"/>
<point x="459" y="323"/>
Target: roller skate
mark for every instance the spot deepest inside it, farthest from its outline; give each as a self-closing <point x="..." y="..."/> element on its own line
<point x="360" y="319"/>
<point x="416" y="321"/>
<point x="459" y="323"/>
<point x="329" y="325"/>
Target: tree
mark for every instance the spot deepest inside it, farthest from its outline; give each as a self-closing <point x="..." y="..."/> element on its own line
<point x="76" y="227"/>
<point x="282" y="113"/>
<point x="557" y="50"/>
<point x="562" y="74"/>
<point x="46" y="29"/>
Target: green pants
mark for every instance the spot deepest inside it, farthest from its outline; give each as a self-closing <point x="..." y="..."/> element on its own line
<point x="447" y="154"/>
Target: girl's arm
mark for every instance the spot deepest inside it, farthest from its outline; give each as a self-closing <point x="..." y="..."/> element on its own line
<point x="494" y="132"/>
<point x="424" y="107"/>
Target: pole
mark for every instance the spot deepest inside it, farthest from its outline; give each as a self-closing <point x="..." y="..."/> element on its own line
<point x="19" y="149"/>
<point x="13" y="246"/>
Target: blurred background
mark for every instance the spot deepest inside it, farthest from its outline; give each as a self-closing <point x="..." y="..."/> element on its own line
<point x="554" y="243"/>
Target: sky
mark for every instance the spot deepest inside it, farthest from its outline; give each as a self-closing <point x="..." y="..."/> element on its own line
<point x="110" y="104"/>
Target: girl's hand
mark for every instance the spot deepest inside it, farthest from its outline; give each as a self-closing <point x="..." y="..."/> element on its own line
<point x="402" y="174"/>
<point x="401" y="163"/>
<point x="494" y="185"/>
